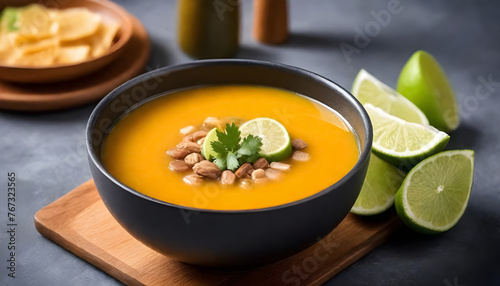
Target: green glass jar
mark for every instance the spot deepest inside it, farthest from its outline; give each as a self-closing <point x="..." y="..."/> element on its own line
<point x="208" y="28"/>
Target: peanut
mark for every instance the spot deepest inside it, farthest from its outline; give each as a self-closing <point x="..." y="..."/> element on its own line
<point x="193" y="179"/>
<point x="187" y="130"/>
<point x="190" y="146"/>
<point x="199" y="134"/>
<point x="261" y="181"/>
<point x="179" y="166"/>
<point x="274" y="174"/>
<point x="244" y="170"/>
<point x="200" y="142"/>
<point x="258" y="174"/>
<point x="178" y="153"/>
<point x="280" y="166"/>
<point x="188" y="138"/>
<point x="211" y="122"/>
<point x="207" y="169"/>
<point x="246" y="184"/>
<point x="227" y="178"/>
<point x="193" y="158"/>
<point x="261" y="163"/>
<point x="299" y="144"/>
<point x="300" y="156"/>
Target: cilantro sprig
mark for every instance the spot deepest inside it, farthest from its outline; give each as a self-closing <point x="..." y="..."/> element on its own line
<point x="230" y="153"/>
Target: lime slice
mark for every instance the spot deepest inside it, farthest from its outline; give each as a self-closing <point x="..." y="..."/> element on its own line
<point x="368" y="89"/>
<point x="206" y="149"/>
<point x="435" y="193"/>
<point x="379" y="189"/>
<point x="276" y="143"/>
<point x="402" y="143"/>
<point x="424" y="83"/>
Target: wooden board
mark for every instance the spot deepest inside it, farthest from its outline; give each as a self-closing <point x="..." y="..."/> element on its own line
<point x="80" y="222"/>
<point x="56" y="96"/>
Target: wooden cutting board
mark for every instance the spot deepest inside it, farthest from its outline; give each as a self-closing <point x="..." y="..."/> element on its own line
<point x="63" y="95"/>
<point x="80" y="222"/>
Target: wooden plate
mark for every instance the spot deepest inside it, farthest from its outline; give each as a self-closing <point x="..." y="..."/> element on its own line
<point x="80" y="222"/>
<point x="58" y="73"/>
<point x="56" y="96"/>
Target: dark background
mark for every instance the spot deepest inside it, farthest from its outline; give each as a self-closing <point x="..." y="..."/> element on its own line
<point x="47" y="150"/>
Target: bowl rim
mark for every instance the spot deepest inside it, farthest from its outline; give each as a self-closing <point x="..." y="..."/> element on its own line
<point x="118" y="45"/>
<point x="104" y="103"/>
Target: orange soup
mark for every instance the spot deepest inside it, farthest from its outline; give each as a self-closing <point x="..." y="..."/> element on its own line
<point x="135" y="150"/>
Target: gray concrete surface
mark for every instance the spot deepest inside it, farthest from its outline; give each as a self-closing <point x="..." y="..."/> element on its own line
<point x="47" y="150"/>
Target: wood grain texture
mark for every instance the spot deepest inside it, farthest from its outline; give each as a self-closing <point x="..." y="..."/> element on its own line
<point x="63" y="95"/>
<point x="80" y="222"/>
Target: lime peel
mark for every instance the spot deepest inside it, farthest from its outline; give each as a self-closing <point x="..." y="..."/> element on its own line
<point x="447" y="180"/>
<point x="368" y="89"/>
<point x="276" y="142"/>
<point x="392" y="133"/>
<point x="379" y="189"/>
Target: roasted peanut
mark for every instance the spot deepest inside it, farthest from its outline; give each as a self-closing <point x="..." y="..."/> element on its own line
<point x="198" y="135"/>
<point x="244" y="171"/>
<point x="280" y="166"/>
<point x="193" y="158"/>
<point x="300" y="156"/>
<point x="211" y="122"/>
<point x="258" y="174"/>
<point x="179" y="166"/>
<point x="274" y="174"/>
<point x="261" y="163"/>
<point x="190" y="146"/>
<point x="261" y="181"/>
<point x="207" y="169"/>
<point x="246" y="183"/>
<point x="188" y="138"/>
<point x="193" y="179"/>
<point x="227" y="177"/>
<point x="178" y="153"/>
<point x="188" y="130"/>
<point x="299" y="144"/>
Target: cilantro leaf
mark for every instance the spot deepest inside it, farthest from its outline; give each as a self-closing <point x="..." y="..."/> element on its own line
<point x="221" y="163"/>
<point x="230" y="153"/>
<point x="232" y="161"/>
<point x="231" y="138"/>
<point x="218" y="147"/>
<point x="250" y="145"/>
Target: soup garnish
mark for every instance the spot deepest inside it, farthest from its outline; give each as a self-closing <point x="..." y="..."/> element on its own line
<point x="225" y="155"/>
<point x="135" y="150"/>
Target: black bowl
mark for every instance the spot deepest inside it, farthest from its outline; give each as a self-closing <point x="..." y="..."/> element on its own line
<point x="227" y="239"/>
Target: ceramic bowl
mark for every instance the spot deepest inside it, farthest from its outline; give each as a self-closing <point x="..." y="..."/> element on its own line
<point x="227" y="239"/>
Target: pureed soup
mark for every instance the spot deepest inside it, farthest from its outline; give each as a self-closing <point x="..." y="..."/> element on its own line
<point x="135" y="152"/>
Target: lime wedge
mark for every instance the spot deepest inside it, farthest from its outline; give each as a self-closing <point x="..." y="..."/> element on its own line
<point x="368" y="89"/>
<point x="402" y="143"/>
<point x="276" y="143"/>
<point x="424" y="82"/>
<point x="379" y="189"/>
<point x="435" y="193"/>
<point x="206" y="149"/>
